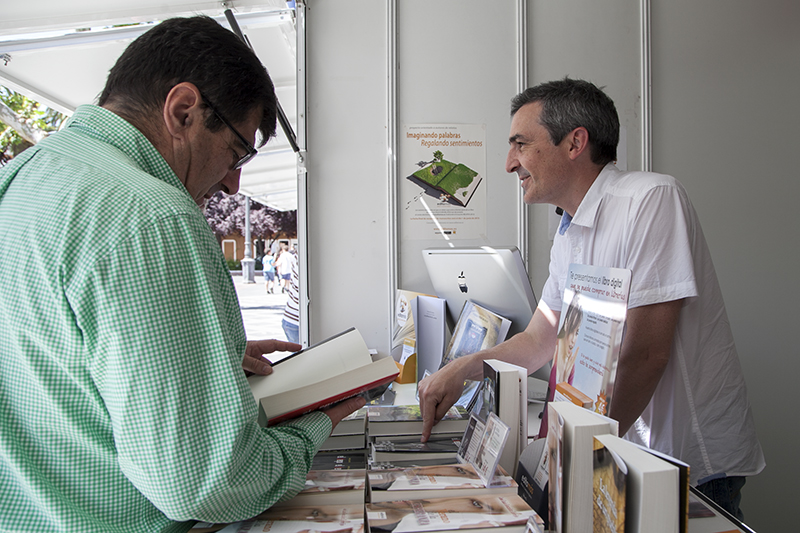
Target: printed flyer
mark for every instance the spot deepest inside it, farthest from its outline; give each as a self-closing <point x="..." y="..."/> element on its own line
<point x="590" y="335"/>
<point x="442" y="186"/>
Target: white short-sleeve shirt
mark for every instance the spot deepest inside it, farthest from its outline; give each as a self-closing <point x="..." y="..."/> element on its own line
<point x="645" y="222"/>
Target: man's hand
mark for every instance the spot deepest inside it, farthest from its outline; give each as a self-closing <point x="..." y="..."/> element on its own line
<point x="254" y="361"/>
<point x="344" y="408"/>
<point x="438" y="392"/>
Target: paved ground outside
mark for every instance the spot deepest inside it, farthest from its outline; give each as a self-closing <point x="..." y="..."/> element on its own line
<point x="262" y="312"/>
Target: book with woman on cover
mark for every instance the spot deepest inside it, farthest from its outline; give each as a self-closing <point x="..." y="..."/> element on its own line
<point x="330" y="487"/>
<point x="590" y="335"/>
<point x="317" y="518"/>
<point x="439" y="481"/>
<point x="505" y="513"/>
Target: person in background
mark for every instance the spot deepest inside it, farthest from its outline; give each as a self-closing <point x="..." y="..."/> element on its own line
<point x="268" y="270"/>
<point x="679" y="386"/>
<point x="291" y="312"/>
<point x="283" y="266"/>
<point x="123" y="401"/>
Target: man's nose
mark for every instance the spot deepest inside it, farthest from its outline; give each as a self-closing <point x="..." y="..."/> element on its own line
<point x="511" y="161"/>
<point x="230" y="183"/>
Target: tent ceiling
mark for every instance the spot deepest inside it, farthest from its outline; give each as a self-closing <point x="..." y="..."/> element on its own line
<point x="42" y="56"/>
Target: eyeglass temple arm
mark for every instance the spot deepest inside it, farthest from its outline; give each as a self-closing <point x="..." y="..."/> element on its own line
<point x="285" y="125"/>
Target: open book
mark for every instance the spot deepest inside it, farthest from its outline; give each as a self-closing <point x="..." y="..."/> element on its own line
<point x="325" y="373"/>
<point x="453" y="183"/>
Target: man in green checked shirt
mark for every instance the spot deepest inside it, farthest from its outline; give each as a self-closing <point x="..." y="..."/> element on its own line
<point x="123" y="401"/>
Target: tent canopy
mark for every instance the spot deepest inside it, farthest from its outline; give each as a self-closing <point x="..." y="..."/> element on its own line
<point x="59" y="54"/>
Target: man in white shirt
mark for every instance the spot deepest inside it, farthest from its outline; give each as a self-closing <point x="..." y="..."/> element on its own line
<point x="679" y="386"/>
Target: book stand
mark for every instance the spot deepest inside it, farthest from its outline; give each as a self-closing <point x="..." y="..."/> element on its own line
<point x="482" y="445"/>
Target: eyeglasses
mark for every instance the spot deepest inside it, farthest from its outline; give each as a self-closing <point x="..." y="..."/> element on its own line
<point x="251" y="151"/>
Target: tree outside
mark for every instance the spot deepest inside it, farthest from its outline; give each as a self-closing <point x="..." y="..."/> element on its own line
<point x="23" y="122"/>
<point x="225" y="215"/>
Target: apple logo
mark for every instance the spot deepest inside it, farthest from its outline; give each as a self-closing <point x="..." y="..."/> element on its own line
<point x="462" y="282"/>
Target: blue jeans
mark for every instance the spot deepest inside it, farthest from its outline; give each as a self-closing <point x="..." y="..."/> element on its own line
<point x="292" y="331"/>
<point x="727" y="493"/>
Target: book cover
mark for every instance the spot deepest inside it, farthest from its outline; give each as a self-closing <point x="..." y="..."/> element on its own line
<point x="653" y="488"/>
<point x="505" y="394"/>
<point x="441" y="481"/>
<point x="330" y="487"/>
<point x="532" y="484"/>
<point x="318" y="518"/>
<point x="683" y="480"/>
<point x="590" y="332"/>
<point x="339" y="460"/>
<point x="403" y="330"/>
<point x="454" y="183"/>
<point x="482" y="513"/>
<point x="409" y="448"/>
<point x="430" y="325"/>
<point x="570" y="443"/>
<point x="344" y="442"/>
<point x="325" y="373"/>
<point x="407" y="420"/>
<point x="391" y="465"/>
<point x="353" y="424"/>
<point x="477" y="329"/>
<point x="608" y="490"/>
<point x="555" y="467"/>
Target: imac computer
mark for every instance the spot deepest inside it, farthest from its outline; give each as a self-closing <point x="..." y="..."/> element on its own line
<point x="494" y="278"/>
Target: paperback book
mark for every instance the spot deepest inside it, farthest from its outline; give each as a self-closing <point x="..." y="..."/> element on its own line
<point x="409" y="448"/>
<point x="570" y="447"/>
<point x="318" y="518"/>
<point x="325" y="373"/>
<point x="407" y="420"/>
<point x="652" y="486"/>
<point x="590" y="335"/>
<point x="608" y="490"/>
<point x="353" y="424"/>
<point x="442" y="481"/>
<point x="339" y="460"/>
<point x="505" y="394"/>
<point x="330" y="487"/>
<point x="506" y="513"/>
<point x="477" y="329"/>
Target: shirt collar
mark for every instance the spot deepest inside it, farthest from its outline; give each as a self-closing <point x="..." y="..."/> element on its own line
<point x="108" y="127"/>
<point x="587" y="210"/>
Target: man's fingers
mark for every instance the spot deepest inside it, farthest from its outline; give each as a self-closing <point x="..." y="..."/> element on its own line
<point x="256" y="365"/>
<point x="428" y="406"/>
<point x="342" y="409"/>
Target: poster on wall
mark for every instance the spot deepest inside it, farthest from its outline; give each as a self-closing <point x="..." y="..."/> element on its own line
<point x="442" y="177"/>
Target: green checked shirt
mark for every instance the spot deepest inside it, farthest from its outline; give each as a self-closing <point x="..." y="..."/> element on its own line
<point x="123" y="404"/>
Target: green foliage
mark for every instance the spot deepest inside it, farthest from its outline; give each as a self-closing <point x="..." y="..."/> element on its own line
<point x="234" y="264"/>
<point x="30" y="112"/>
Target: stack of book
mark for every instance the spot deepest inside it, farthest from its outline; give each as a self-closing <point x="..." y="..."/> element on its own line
<point x="349" y="434"/>
<point x="437" y="481"/>
<point x="395" y="432"/>
<point x="506" y="513"/>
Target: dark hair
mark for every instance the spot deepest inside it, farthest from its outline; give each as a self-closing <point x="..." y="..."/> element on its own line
<point x="568" y="104"/>
<point x="196" y="50"/>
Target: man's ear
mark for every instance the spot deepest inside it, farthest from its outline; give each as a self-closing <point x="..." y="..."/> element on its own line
<point x="183" y="108"/>
<point x="578" y="142"/>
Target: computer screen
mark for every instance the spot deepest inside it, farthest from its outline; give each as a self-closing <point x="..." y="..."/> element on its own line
<point x="493" y="277"/>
